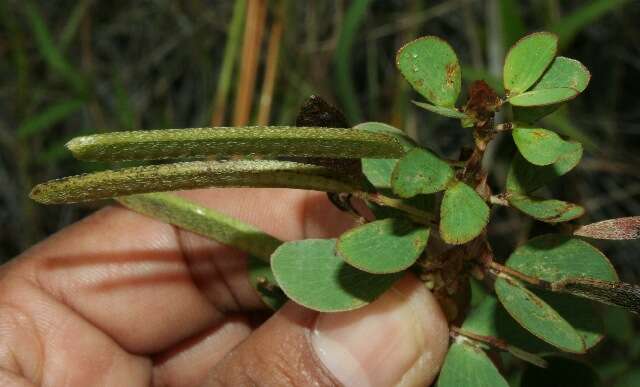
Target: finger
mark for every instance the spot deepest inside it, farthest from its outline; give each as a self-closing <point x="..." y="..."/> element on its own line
<point x="189" y="363"/>
<point x="45" y="343"/>
<point x="400" y="339"/>
<point x="128" y="275"/>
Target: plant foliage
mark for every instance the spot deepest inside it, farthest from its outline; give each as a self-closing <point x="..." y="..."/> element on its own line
<point x="539" y="301"/>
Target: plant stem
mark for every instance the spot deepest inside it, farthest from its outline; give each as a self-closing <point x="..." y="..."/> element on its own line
<point x="416" y="214"/>
<point x="499" y="200"/>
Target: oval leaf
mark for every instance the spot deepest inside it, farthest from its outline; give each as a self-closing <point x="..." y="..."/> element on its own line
<point x="383" y="246"/>
<point x="463" y="214"/>
<point x="261" y="140"/>
<point x="527" y="60"/>
<point x="431" y="66"/>
<point x="539" y="146"/>
<point x="537" y="316"/>
<point x="563" y="72"/>
<point x="420" y="172"/>
<point x="190" y="175"/>
<point x="466" y="365"/>
<point x="490" y="319"/>
<point x="405" y="141"/>
<point x="555" y="257"/>
<point x="525" y="177"/>
<point x="546" y="210"/>
<point x="443" y="111"/>
<point x="543" y="97"/>
<point x="310" y="273"/>
<point x="615" y="229"/>
<point x="378" y="171"/>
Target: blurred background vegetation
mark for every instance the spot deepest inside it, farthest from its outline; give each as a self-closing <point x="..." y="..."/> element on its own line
<point x="70" y="67"/>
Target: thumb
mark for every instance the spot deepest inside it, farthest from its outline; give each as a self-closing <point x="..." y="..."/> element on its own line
<point x="400" y="339"/>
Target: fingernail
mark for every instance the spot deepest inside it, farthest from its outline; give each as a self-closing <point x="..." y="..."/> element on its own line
<point x="400" y="339"/>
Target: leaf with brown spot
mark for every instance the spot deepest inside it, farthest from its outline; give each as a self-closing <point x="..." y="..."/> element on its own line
<point x="431" y="66"/>
<point x="546" y="210"/>
<point x="614" y="229"/>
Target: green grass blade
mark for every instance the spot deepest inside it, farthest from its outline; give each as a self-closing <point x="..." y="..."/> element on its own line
<point x="50" y="116"/>
<point x="48" y="49"/>
<point x="261" y="140"/>
<point x="190" y="216"/>
<point x="73" y="22"/>
<point x="189" y="175"/>
<point x="344" y="83"/>
<point x="568" y="27"/>
<point x="234" y="38"/>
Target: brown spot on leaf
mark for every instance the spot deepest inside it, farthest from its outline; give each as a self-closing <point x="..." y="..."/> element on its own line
<point x="452" y="70"/>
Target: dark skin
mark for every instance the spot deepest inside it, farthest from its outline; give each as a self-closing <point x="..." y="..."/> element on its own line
<point x="119" y="299"/>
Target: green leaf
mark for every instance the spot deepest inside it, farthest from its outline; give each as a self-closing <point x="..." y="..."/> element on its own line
<point x="524" y="177"/>
<point x="420" y="172"/>
<point x="383" y="246"/>
<point x="443" y="111"/>
<point x="564" y="72"/>
<point x="204" y="221"/>
<point x="190" y="175"/>
<point x="579" y="312"/>
<point x="262" y="280"/>
<point x="538" y="317"/>
<point x="543" y="97"/>
<point x="463" y="214"/>
<point x="466" y="365"/>
<point x="266" y="141"/>
<point x="546" y="210"/>
<point x="405" y="141"/>
<point x="378" y="171"/>
<point x="562" y="371"/>
<point x="310" y="273"/>
<point x="527" y="60"/>
<point x="555" y="257"/>
<point x="539" y="146"/>
<point x="490" y="319"/>
<point x="431" y="66"/>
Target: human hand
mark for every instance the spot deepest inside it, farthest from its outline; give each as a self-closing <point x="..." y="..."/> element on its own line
<point x="119" y="299"/>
